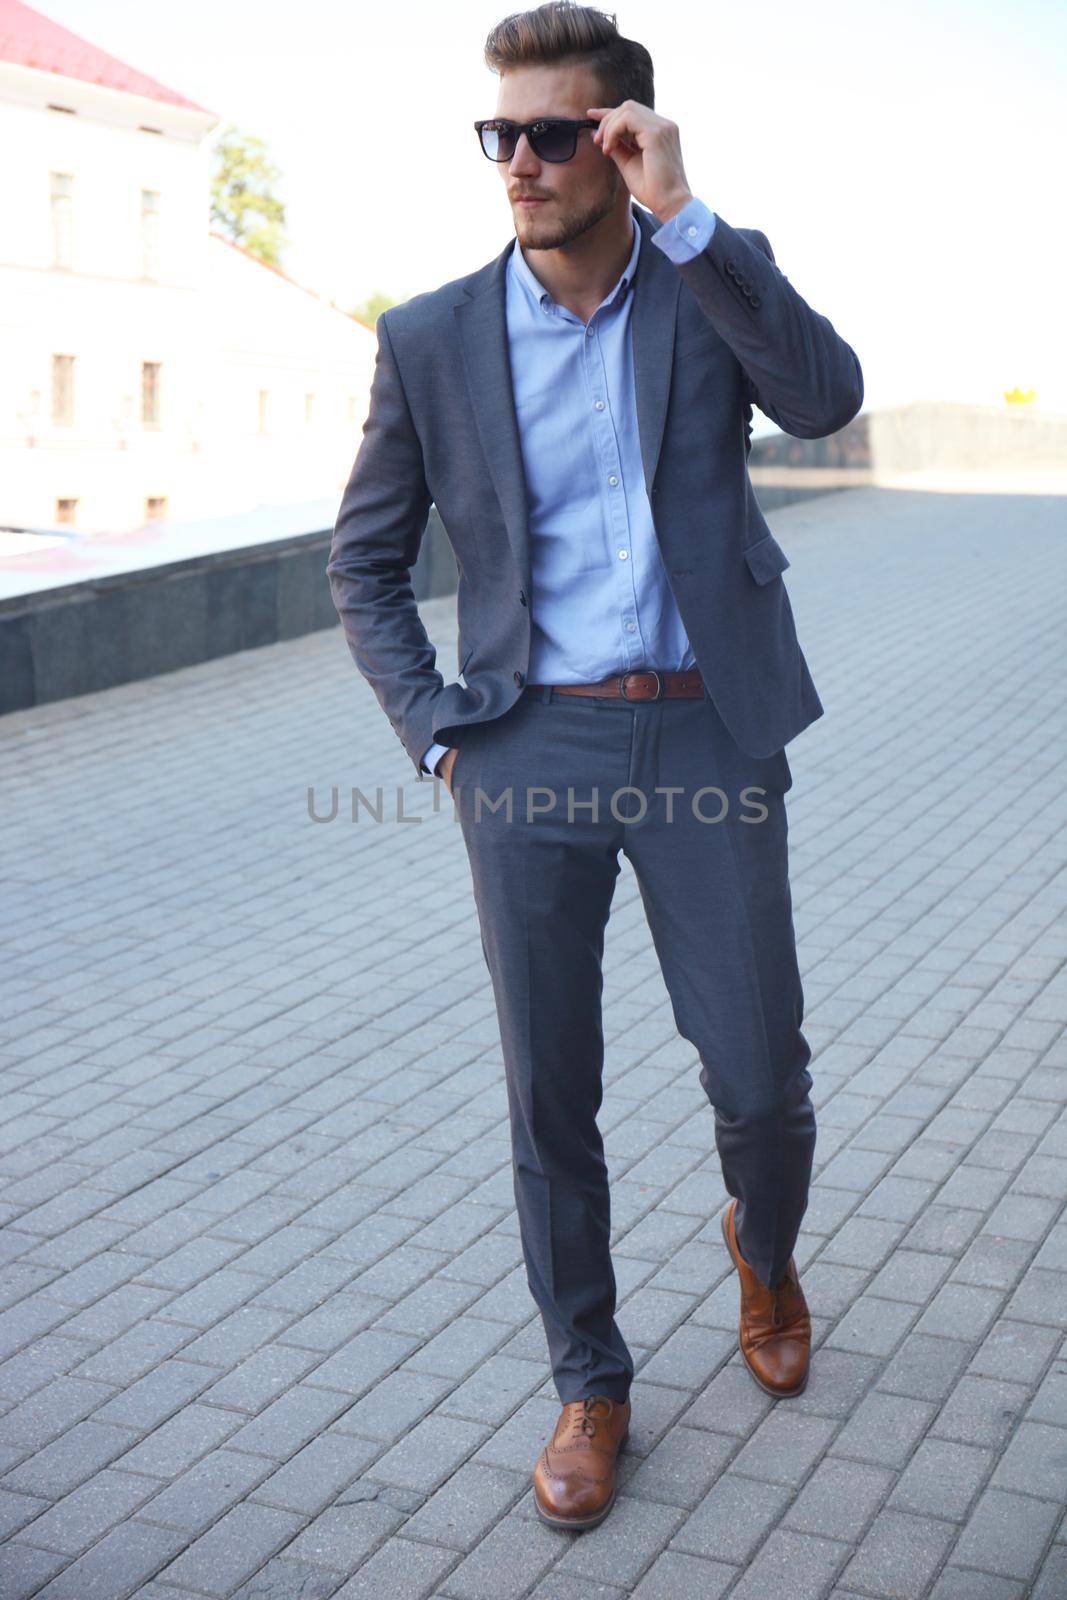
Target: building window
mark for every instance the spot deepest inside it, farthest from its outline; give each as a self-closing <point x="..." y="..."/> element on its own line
<point x="155" y="507"/>
<point x="309" y="408"/>
<point x="63" y="389"/>
<point x="150" y="371"/>
<point x="66" y="513"/>
<point x="62" y="219"/>
<point x="264" y="395"/>
<point x="150" y="233"/>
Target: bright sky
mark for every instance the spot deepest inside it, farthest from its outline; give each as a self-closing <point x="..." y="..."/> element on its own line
<point x="900" y="155"/>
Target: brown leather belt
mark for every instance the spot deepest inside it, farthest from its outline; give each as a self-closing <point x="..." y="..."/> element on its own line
<point x="640" y="685"/>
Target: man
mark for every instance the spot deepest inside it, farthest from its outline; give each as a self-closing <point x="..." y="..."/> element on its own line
<point x="579" y="410"/>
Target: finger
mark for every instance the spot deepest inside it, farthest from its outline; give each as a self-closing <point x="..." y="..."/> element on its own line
<point x="605" y="114"/>
<point x="613" y="129"/>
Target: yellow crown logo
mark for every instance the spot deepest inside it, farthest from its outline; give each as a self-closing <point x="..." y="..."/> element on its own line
<point x="1019" y="397"/>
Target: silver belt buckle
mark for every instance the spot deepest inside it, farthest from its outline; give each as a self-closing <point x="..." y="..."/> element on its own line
<point x="641" y="673"/>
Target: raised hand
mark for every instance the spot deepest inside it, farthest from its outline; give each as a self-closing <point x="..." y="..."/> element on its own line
<point x="647" y="150"/>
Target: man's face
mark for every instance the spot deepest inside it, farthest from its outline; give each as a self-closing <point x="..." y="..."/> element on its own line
<point x="574" y="194"/>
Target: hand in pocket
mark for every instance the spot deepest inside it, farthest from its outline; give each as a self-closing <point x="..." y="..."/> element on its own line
<point x="445" y="765"/>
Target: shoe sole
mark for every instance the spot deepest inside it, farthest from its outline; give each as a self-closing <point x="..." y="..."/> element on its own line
<point x="778" y="1394"/>
<point x="581" y="1522"/>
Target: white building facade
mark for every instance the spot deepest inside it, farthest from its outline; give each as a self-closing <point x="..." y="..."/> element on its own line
<point x="149" y="368"/>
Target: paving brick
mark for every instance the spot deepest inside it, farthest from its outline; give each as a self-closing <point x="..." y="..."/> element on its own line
<point x="958" y="1583"/>
<point x="16" y="1510"/>
<point x="461" y="1347"/>
<point x="621" y="1548"/>
<point x="88" y="1512"/>
<point x="310" y="1479"/>
<point x="362" y="1362"/>
<point x="259" y="1379"/>
<point x="516" y="1544"/>
<point x="1018" y="1352"/>
<point x="264" y="1308"/>
<point x="872" y="1326"/>
<point x="1035" y="1462"/>
<point x="200" y="1495"/>
<point x="517" y="1444"/>
<point x="899" y="1556"/>
<point x="689" y="1357"/>
<point x="69" y="1460"/>
<point x="1051" y="1581"/>
<point x="467" y="1505"/>
<point x="839" y="1500"/>
<point x="732" y="1519"/>
<point x="289" y="1422"/>
<point x="178" y="1442"/>
<point x="394" y="1406"/>
<point x="24" y="1570"/>
<point x="239" y="1543"/>
<point x="117" y="1565"/>
<point x="1006" y="1535"/>
<point x="681" y="1468"/>
<point x="50" y="1411"/>
<point x="924" y="1367"/>
<point x="402" y="1569"/>
<point x="673" y="1574"/>
<point x="981" y="1411"/>
<point x="430" y="1452"/>
<point x="799" y="1564"/>
<point x="278" y="1579"/>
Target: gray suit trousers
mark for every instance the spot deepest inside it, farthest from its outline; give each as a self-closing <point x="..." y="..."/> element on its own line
<point x="710" y="859"/>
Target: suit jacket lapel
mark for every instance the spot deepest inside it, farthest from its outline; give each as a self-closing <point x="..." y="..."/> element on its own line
<point x="481" y="316"/>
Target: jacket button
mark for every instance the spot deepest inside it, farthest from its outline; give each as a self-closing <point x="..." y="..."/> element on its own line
<point x="729" y="264"/>
<point x="519" y="679"/>
<point x="755" y="299"/>
<point x="522" y="597"/>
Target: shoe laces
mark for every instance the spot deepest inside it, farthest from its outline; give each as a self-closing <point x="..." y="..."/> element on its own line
<point x="583" y="1421"/>
<point x="782" y="1290"/>
<point x="777" y="1315"/>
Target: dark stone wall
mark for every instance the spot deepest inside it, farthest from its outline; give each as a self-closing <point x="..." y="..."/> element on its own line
<point x="97" y="633"/>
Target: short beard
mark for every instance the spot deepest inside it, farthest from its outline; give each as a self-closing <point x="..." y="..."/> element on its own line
<point x="567" y="229"/>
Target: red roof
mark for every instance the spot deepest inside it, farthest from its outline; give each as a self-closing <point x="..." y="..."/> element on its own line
<point x="30" y="39"/>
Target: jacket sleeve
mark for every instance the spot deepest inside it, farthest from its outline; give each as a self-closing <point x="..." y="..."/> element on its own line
<point x="798" y="369"/>
<point x="376" y="542"/>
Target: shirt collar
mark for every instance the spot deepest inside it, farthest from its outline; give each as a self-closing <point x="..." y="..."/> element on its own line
<point x="540" y="295"/>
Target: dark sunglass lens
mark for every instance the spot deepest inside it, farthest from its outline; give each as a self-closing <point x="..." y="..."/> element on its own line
<point x="554" y="142"/>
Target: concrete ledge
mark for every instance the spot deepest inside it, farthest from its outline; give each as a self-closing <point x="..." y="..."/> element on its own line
<point x="138" y="616"/>
<point x="101" y="631"/>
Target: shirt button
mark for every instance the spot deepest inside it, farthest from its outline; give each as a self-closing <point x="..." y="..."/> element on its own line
<point x="691" y="232"/>
<point x="622" y="555"/>
<point x="631" y="626"/>
<point x="613" y="479"/>
<point x="600" y="405"/>
<point x="589" y="333"/>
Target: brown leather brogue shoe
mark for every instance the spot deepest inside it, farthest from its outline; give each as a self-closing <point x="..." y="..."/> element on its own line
<point x="775" y="1327"/>
<point x="574" y="1479"/>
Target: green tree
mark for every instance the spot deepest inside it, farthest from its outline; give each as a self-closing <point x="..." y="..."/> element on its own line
<point x="243" y="203"/>
<point x="369" y="310"/>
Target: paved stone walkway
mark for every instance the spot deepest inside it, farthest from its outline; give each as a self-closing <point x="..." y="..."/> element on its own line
<point x="265" y="1330"/>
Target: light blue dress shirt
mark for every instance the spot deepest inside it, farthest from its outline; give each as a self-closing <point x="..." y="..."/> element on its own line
<point x="601" y="602"/>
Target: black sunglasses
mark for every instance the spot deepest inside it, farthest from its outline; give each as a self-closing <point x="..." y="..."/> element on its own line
<point x="551" y="139"/>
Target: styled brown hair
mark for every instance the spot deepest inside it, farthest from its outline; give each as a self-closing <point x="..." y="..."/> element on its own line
<point x="560" y="30"/>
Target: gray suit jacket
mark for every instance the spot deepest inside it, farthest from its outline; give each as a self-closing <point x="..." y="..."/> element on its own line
<point x="711" y="337"/>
